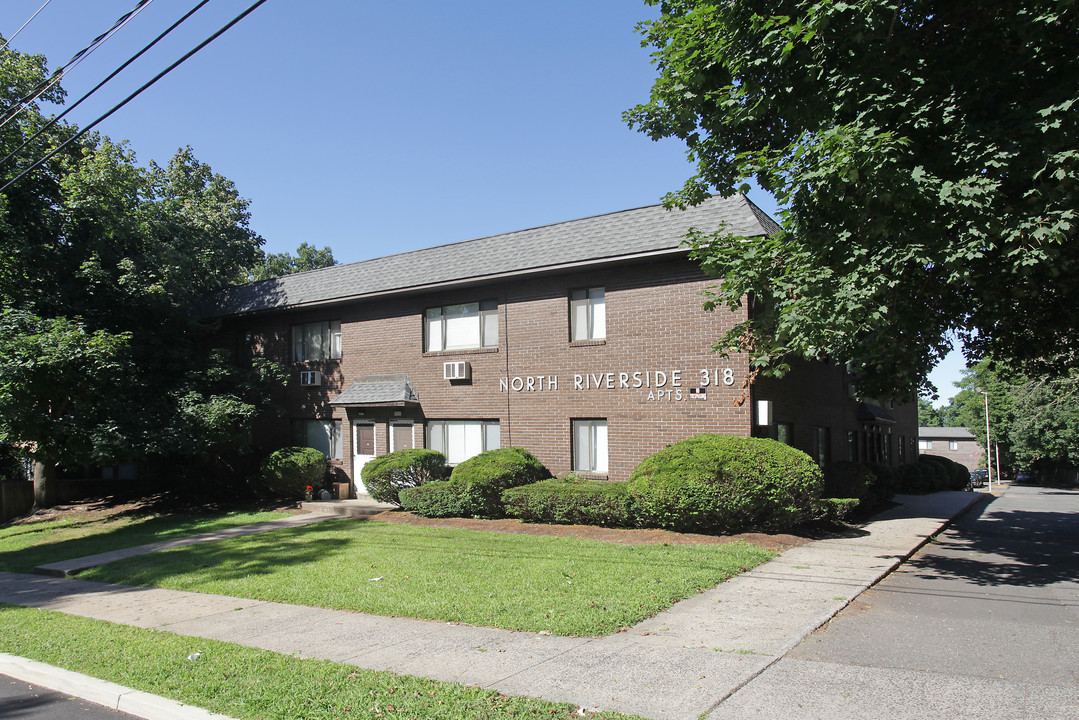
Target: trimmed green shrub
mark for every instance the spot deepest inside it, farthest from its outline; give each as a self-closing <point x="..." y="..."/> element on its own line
<point x="847" y="479"/>
<point x="883" y="486"/>
<point x="435" y="499"/>
<point x="722" y="483"/>
<point x="956" y="475"/>
<point x="935" y="468"/>
<point x="837" y="509"/>
<point x="572" y="500"/>
<point x="287" y="472"/>
<point x="915" y="479"/>
<point x="386" y="475"/>
<point x="482" y="479"/>
<point x="478" y="484"/>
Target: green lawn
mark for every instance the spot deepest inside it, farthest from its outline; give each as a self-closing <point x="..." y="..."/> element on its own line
<point x="244" y="682"/>
<point x="565" y="586"/>
<point x="25" y="545"/>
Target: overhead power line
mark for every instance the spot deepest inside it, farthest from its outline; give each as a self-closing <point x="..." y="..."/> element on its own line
<point x="97" y="87"/>
<point x="77" y="58"/>
<point x="133" y="95"/>
<point x="24" y="24"/>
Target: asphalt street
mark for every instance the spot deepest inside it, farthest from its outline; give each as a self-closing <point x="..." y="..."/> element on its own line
<point x="24" y="701"/>
<point x="983" y="622"/>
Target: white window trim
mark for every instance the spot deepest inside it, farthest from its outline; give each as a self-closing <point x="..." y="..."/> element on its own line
<point x="437" y="341"/>
<point x="594" y="302"/>
<point x="331" y="336"/>
<point x="336" y="439"/>
<point x="596" y="462"/>
<point x="441" y="443"/>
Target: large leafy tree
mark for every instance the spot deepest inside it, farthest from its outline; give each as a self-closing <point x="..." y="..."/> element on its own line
<point x="925" y="154"/>
<point x="307" y="257"/>
<point x="100" y="261"/>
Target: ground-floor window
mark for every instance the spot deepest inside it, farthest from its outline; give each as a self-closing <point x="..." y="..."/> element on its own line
<point x="822" y="446"/>
<point x="324" y="435"/>
<point x="902" y="450"/>
<point x="589" y="445"/>
<point x="852" y="446"/>
<point x="459" y="440"/>
<point x="925" y="444"/>
<point x="785" y="433"/>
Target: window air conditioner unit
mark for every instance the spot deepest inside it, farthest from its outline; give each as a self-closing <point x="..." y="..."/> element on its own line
<point x="310" y="378"/>
<point x="457" y="370"/>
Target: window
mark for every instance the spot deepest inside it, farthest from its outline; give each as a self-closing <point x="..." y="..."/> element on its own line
<point x="785" y="433"/>
<point x="587" y="314"/>
<point x="925" y="444"/>
<point x="590" y="445"/>
<point x="316" y="341"/>
<point x="324" y="435"/>
<point x="462" y="327"/>
<point x="953" y="444"/>
<point x="459" y="440"/>
<point x="400" y="436"/>
<point x="823" y="446"/>
<point x="852" y="446"/>
<point x="902" y="450"/>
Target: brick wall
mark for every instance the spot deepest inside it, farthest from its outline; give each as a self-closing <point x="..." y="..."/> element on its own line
<point x="536" y="381"/>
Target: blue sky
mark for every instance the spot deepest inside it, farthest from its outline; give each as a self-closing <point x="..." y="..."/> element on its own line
<point x="379" y="127"/>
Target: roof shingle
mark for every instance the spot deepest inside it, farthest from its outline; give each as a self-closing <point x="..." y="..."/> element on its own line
<point x="593" y="239"/>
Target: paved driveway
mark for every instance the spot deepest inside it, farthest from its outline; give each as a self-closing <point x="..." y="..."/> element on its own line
<point x="982" y="623"/>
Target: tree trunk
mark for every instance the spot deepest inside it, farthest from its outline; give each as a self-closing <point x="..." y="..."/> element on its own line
<point x="44" y="483"/>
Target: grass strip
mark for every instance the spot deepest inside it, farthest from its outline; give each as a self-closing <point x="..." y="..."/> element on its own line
<point x="243" y="682"/>
<point x="560" y="585"/>
<point x="25" y="545"/>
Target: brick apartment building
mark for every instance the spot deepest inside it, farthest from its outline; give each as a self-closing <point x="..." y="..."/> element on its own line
<point x="583" y="341"/>
<point x="954" y="443"/>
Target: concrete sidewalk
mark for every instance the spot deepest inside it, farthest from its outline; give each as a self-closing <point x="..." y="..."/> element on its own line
<point x="679" y="664"/>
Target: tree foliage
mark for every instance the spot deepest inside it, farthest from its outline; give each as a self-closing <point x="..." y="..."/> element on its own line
<point x="925" y="152"/>
<point x="100" y="260"/>
<point x="307" y="257"/>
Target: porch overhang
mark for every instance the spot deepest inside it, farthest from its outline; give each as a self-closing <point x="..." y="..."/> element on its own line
<point x="378" y="391"/>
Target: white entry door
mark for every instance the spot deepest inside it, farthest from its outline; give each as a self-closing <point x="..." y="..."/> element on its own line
<point x="363" y="449"/>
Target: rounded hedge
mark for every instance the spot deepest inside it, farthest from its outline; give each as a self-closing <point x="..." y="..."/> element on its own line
<point x="287" y="472"/>
<point x="386" y="475"/>
<point x="572" y="500"/>
<point x="722" y="483"/>
<point x="476" y="485"/>
<point x="846" y="479"/>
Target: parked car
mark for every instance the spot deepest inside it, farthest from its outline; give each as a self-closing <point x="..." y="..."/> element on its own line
<point x="978" y="478"/>
<point x="1024" y="477"/>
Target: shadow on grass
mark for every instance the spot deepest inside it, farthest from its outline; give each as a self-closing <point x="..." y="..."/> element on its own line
<point x="144" y="525"/>
<point x="358" y="546"/>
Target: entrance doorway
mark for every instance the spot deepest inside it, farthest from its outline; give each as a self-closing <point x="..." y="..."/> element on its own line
<point x="363" y="450"/>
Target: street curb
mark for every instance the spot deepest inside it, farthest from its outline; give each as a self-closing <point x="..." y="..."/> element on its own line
<point x="125" y="699"/>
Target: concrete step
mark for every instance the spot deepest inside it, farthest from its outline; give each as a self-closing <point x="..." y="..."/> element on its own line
<point x="363" y="506"/>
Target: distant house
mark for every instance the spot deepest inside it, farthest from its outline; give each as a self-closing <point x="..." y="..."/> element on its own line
<point x="954" y="443"/>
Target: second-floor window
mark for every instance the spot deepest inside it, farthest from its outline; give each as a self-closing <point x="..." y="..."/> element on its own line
<point x="316" y="341"/>
<point x="587" y="314"/>
<point x="461" y="327"/>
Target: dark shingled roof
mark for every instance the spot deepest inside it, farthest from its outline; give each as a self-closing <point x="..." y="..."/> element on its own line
<point x="591" y="240"/>
<point x="949" y="433"/>
<point x="377" y="389"/>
